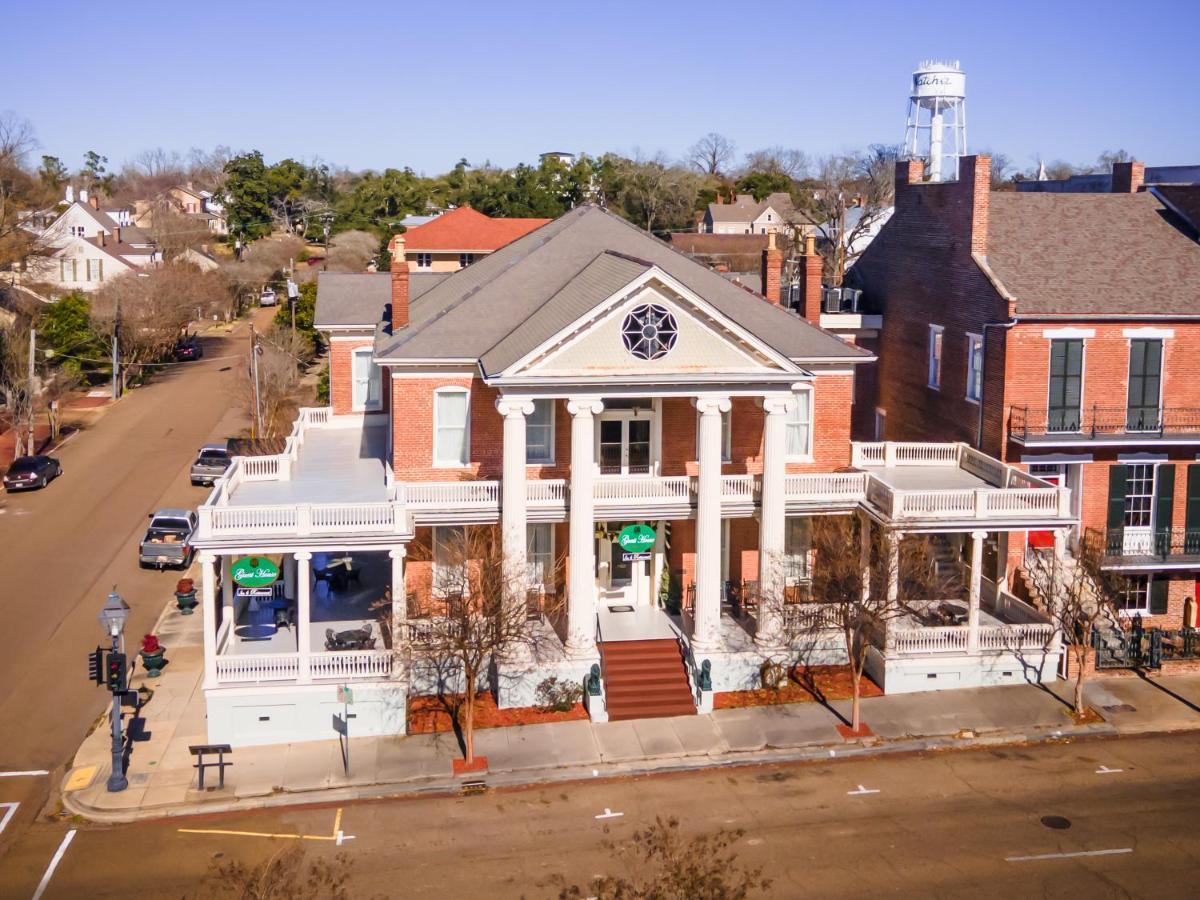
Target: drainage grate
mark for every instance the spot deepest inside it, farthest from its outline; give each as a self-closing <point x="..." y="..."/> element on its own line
<point x="1057" y="822"/>
<point x="474" y="787"/>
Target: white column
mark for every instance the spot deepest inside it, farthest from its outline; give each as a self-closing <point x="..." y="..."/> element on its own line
<point x="303" y="614"/>
<point x="513" y="491"/>
<point x="229" y="610"/>
<point x="581" y="590"/>
<point x="772" y="519"/>
<point x="208" y="607"/>
<point x="707" y="612"/>
<point x="399" y="597"/>
<point x="864" y="554"/>
<point x="977" y="538"/>
<point x="289" y="576"/>
<point x="893" y="568"/>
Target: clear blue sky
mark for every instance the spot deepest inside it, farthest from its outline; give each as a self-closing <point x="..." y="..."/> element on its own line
<point x="369" y="85"/>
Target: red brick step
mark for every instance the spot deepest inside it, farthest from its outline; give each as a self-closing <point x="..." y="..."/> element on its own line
<point x="645" y="679"/>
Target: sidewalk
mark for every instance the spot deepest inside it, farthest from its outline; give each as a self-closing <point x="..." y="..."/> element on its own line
<point x="161" y="777"/>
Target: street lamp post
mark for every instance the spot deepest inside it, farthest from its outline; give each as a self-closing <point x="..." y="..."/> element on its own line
<point x="112" y="620"/>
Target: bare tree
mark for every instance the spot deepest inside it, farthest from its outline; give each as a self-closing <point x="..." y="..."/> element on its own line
<point x="21" y="192"/>
<point x="1080" y="597"/>
<point x="848" y="595"/>
<point x="277" y="397"/>
<point x="795" y="164"/>
<point x="655" y="192"/>
<point x="175" y="231"/>
<point x="482" y="623"/>
<point x="711" y="155"/>
<point x="350" y="251"/>
<point x="659" y="863"/>
<point x="20" y="402"/>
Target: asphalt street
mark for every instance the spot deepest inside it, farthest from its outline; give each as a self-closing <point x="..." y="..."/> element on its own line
<point x="977" y="823"/>
<point x="64" y="548"/>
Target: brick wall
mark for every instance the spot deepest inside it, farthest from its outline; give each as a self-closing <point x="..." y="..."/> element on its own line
<point x="341" y="375"/>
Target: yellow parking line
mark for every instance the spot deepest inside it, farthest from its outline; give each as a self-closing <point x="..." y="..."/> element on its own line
<point x="337" y="822"/>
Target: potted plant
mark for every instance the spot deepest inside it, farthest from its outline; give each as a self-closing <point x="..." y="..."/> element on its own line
<point x="185" y="595"/>
<point x="152" y="656"/>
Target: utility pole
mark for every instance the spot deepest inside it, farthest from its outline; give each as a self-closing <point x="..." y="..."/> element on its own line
<point x="254" y="370"/>
<point x="30" y="386"/>
<point x="116" y="357"/>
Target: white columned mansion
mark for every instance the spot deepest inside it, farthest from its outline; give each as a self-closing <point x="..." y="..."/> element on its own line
<point x="582" y="379"/>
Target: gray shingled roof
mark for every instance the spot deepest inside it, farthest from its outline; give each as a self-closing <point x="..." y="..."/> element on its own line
<point x="509" y="302"/>
<point x="1092" y="254"/>
<point x="747" y="209"/>
<point x="345" y="299"/>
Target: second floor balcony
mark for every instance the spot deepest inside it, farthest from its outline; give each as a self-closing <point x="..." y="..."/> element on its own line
<point x="1150" y="549"/>
<point x="1043" y="426"/>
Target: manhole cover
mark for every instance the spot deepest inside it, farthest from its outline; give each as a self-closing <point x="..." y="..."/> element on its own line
<point x="1056" y="822"/>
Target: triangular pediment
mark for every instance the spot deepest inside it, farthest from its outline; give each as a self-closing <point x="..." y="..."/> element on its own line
<point x="653" y="326"/>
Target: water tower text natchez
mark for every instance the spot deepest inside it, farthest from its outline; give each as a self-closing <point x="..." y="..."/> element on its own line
<point x="936" y="130"/>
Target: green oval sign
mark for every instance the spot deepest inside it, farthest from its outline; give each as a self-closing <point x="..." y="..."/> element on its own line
<point x="254" y="571"/>
<point x="637" y="538"/>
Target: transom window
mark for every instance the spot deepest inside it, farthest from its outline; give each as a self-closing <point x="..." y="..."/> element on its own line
<point x="649" y="331"/>
<point x="1135" y="596"/>
<point x="539" y="433"/>
<point x="799" y="427"/>
<point x="1139" y="495"/>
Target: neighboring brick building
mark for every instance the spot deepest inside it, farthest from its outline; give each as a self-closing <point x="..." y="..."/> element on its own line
<point x="1059" y="331"/>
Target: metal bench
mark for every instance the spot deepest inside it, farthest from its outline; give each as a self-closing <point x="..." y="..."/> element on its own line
<point x="200" y="750"/>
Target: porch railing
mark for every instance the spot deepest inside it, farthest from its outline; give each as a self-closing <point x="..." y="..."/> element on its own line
<point x="303" y="519"/>
<point x="351" y="664"/>
<point x="1161" y="544"/>
<point x="258" y="667"/>
<point x="1025" y="422"/>
<point x="938" y="639"/>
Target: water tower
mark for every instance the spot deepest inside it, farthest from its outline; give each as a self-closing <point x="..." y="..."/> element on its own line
<point x="936" y="130"/>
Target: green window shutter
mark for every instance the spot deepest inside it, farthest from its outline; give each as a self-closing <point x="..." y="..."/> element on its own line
<point x="1117" y="483"/>
<point x="1164" y="496"/>
<point x="1158" y="596"/>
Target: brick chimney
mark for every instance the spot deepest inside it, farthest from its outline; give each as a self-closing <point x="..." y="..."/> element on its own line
<point x="1128" y="177"/>
<point x="94" y="201"/>
<point x="720" y="199"/>
<point x="910" y="171"/>
<point x="810" y="281"/>
<point x="399" y="284"/>
<point x="772" y="271"/>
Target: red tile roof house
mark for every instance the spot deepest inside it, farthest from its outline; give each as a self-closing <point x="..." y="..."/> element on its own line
<point x="1060" y="333"/>
<point x="582" y="378"/>
<point x="455" y="239"/>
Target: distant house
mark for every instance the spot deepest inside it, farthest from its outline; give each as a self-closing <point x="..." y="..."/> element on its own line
<point x="187" y="200"/>
<point x="455" y="239"/>
<point x="745" y="215"/>
<point x="1102" y="182"/>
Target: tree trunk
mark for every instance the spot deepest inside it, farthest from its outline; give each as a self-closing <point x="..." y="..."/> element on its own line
<point x="856" y="678"/>
<point x="1080" y="675"/>
<point x="468" y="724"/>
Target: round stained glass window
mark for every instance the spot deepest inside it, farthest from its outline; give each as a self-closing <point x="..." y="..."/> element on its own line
<point x="649" y="331"/>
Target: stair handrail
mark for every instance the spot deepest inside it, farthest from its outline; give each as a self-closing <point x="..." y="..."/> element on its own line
<point x="695" y="676"/>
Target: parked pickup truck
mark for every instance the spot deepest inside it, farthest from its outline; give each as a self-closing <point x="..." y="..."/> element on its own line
<point x="211" y="462"/>
<point x="168" y="540"/>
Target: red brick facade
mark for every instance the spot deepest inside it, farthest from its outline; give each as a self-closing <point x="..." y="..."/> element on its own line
<point x="341" y="375"/>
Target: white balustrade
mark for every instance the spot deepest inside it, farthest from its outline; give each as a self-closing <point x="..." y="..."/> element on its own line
<point x="826" y="486"/>
<point x="983" y="466"/>
<point x="1032" y="636"/>
<point x="257" y="667"/>
<point x="546" y="492"/>
<point x="1021" y="501"/>
<point x="458" y="494"/>
<point x="345" y="664"/>
<point x="938" y="639"/>
<point x="738" y="486"/>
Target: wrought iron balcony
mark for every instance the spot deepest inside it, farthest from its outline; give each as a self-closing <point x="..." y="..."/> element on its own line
<point x="1129" y="546"/>
<point x="1039" y="425"/>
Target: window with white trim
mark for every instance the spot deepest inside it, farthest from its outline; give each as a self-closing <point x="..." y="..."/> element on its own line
<point x="935" y="356"/>
<point x="95" y="270"/>
<point x="451" y="426"/>
<point x="726" y="436"/>
<point x="799" y="427"/>
<point x="424" y="260"/>
<point x="539" y="433"/>
<point x="1139" y="495"/>
<point x="1135" y="595"/>
<point x="449" y="560"/>
<point x="367" y="388"/>
<point x="974" y="368"/>
<point x="67" y="269"/>
<point x="539" y="554"/>
<point x="797" y="548"/>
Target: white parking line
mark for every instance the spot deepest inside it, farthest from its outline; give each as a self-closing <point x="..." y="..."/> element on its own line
<point x="1066" y="855"/>
<point x="609" y="814"/>
<point x="12" y="811"/>
<point x="1105" y="770"/>
<point x="863" y="790"/>
<point x="29" y="774"/>
<point x="58" y="855"/>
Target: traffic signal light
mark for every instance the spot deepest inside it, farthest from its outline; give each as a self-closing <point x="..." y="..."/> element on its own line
<point x="96" y="666"/>
<point x="115" y="672"/>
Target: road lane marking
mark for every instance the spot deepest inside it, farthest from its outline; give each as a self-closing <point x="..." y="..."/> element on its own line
<point x="1069" y="855"/>
<point x="338" y="836"/>
<point x="58" y="855"/>
<point x="29" y="774"/>
<point x="12" y="811"/>
<point x="609" y="814"/>
<point x="1105" y="770"/>
<point x="863" y="790"/>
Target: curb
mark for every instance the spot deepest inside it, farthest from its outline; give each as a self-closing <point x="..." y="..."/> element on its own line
<point x="553" y="775"/>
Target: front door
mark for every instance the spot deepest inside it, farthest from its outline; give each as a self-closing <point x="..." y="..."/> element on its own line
<point x="620" y="581"/>
<point x="624" y="445"/>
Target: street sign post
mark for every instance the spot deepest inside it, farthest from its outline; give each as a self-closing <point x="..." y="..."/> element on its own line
<point x="341" y="724"/>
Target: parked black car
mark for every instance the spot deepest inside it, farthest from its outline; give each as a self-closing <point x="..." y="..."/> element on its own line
<point x="31" y="472"/>
<point x="188" y="347"/>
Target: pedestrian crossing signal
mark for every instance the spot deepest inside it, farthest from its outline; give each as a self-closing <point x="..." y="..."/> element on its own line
<point x="96" y="666"/>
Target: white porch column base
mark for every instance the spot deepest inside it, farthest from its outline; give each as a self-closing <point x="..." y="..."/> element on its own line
<point x="706" y="615"/>
<point x="581" y="588"/>
<point x="977" y="538"/>
<point x="208" y="606"/>
<point x="772" y="521"/>
<point x="303" y="616"/>
<point x="513" y="492"/>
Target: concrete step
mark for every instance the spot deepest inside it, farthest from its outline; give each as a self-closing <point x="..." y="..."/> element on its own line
<point x="655" y="711"/>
